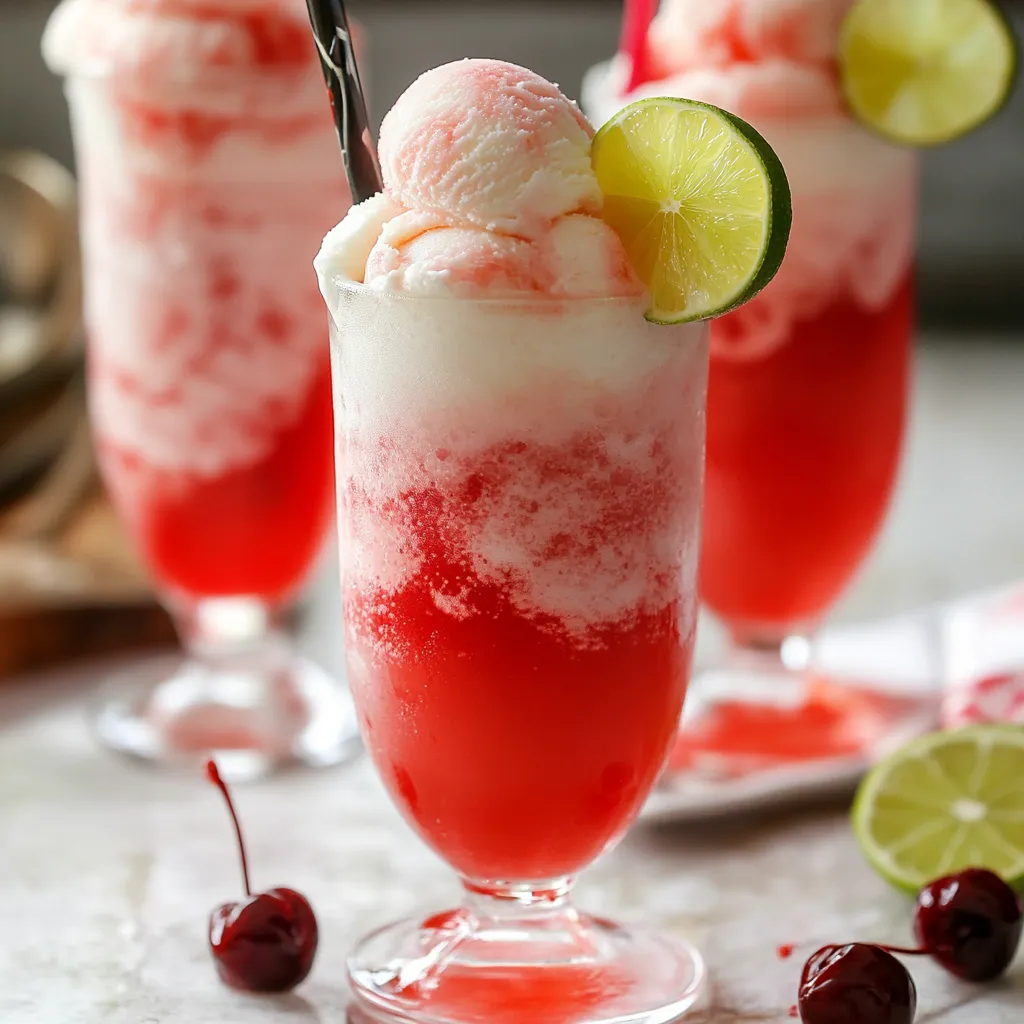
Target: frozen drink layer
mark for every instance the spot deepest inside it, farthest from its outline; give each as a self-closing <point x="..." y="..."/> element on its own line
<point x="773" y="63"/>
<point x="208" y="164"/>
<point x="488" y="190"/>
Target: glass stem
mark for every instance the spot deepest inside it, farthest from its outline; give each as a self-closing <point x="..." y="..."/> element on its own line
<point x="500" y="900"/>
<point x="242" y="662"/>
<point x="219" y="628"/>
<point x="785" y="650"/>
<point x="543" y="910"/>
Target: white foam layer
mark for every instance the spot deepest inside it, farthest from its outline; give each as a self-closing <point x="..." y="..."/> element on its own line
<point x="205" y="326"/>
<point x="854" y="209"/>
<point x="554" y="449"/>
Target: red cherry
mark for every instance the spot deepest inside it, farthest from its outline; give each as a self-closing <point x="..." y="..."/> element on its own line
<point x="856" y="984"/>
<point x="970" y="923"/>
<point x="267" y="942"/>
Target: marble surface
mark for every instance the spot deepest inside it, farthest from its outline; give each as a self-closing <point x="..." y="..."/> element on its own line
<point x="107" y="873"/>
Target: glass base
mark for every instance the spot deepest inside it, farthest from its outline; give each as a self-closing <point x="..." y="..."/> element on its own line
<point x="551" y="966"/>
<point x="255" y="713"/>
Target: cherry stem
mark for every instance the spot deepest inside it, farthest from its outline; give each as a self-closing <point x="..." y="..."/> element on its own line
<point x="903" y="951"/>
<point x="214" y="776"/>
<point x="637" y="16"/>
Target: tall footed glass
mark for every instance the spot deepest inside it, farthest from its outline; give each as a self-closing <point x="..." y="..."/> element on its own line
<point x="809" y="381"/>
<point x="808" y="397"/>
<point x="208" y="170"/>
<point x="519" y="488"/>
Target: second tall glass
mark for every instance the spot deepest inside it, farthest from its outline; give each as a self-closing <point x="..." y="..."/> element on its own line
<point x="209" y="173"/>
<point x="809" y="381"/>
<point x="519" y="493"/>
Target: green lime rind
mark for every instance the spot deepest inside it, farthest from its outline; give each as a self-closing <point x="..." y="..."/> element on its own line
<point x="944" y="802"/>
<point x="913" y="91"/>
<point x="701" y="216"/>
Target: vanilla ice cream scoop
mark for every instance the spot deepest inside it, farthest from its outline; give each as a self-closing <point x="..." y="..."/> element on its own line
<point x="488" y="190"/>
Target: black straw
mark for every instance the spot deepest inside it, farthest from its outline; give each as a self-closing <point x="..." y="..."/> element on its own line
<point x="341" y="73"/>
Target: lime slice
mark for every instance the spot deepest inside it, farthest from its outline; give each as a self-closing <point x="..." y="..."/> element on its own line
<point x="923" y="72"/>
<point x="945" y="802"/>
<point x="700" y="201"/>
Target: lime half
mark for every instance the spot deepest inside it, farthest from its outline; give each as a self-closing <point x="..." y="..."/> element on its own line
<point x="945" y="802"/>
<point x="923" y="72"/>
<point x="700" y="201"/>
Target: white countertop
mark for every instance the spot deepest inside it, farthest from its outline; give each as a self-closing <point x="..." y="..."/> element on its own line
<point x="107" y="873"/>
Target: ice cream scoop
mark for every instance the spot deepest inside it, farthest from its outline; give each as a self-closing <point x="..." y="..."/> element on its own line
<point x="488" y="190"/>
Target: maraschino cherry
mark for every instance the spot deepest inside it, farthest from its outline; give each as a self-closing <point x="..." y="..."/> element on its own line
<point x="970" y="923"/>
<point x="856" y="984"/>
<point x="267" y="942"/>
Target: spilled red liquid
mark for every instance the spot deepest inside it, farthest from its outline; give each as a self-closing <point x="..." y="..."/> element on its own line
<point x="834" y="721"/>
<point x="554" y="995"/>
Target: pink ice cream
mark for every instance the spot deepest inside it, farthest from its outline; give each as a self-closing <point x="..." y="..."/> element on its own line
<point x="488" y="190"/>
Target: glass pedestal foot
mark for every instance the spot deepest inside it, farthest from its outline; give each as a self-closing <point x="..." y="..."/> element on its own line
<point x="254" y="713"/>
<point x="501" y="964"/>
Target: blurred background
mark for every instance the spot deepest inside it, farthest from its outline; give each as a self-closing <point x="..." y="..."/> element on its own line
<point x="972" y="224"/>
<point x="956" y="525"/>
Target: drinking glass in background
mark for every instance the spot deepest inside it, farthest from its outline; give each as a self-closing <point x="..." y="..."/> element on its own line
<point x="209" y="174"/>
<point x="519" y="506"/>
<point x="808" y="386"/>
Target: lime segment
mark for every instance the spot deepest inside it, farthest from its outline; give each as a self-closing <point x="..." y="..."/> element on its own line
<point x="700" y="201"/>
<point x="945" y="802"/>
<point x="923" y="72"/>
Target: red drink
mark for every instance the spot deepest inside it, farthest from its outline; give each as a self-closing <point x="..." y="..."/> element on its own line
<point x="252" y="530"/>
<point x="803" y="447"/>
<point x="808" y="383"/>
<point x="808" y="388"/>
<point x="520" y="507"/>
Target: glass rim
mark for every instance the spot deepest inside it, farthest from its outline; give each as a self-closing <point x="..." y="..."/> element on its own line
<point x="537" y="300"/>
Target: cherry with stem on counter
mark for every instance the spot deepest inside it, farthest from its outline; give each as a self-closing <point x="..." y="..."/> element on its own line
<point x="970" y="923"/>
<point x="266" y="942"/>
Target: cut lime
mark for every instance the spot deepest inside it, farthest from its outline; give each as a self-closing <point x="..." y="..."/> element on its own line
<point x="923" y="72"/>
<point x="700" y="201"/>
<point x="945" y="802"/>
